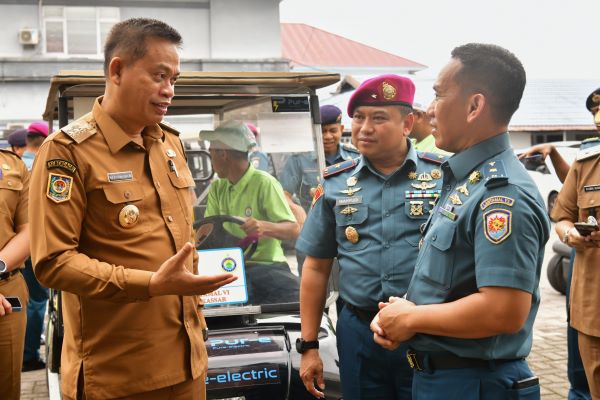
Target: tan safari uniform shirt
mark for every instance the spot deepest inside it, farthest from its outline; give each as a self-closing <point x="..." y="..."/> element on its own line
<point x="579" y="198"/>
<point x="101" y="254"/>
<point x="14" y="185"/>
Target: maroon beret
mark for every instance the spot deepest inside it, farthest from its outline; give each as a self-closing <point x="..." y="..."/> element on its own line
<point x="383" y="90"/>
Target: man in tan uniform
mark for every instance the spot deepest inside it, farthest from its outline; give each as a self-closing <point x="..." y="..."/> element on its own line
<point x="14" y="249"/>
<point x="112" y="205"/>
<point x="578" y="200"/>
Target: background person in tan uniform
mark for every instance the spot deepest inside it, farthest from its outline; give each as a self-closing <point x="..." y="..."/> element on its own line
<point x="579" y="199"/>
<point x="113" y="220"/>
<point x="14" y="249"/>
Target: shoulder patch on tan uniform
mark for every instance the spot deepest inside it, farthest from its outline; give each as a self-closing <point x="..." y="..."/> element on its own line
<point x="81" y="129"/>
<point x="165" y="126"/>
<point x="589" y="153"/>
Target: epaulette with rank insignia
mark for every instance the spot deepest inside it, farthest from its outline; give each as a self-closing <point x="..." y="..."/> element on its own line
<point x="588" y="153"/>
<point x="589" y="143"/>
<point x="9" y="151"/>
<point x="168" y="127"/>
<point x="494" y="174"/>
<point x="432" y="157"/>
<point x="339" y="167"/>
<point x="81" y="129"/>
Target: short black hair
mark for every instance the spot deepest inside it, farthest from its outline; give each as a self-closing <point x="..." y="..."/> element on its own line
<point x="128" y="38"/>
<point x="496" y="73"/>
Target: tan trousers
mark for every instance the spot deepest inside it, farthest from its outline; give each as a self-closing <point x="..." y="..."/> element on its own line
<point x="589" y="347"/>
<point x="12" y="339"/>
<point x="187" y="390"/>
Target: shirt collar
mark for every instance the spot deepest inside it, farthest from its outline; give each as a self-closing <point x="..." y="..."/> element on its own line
<point x="411" y="159"/>
<point x="462" y="163"/>
<point x="245" y="179"/>
<point x="115" y="137"/>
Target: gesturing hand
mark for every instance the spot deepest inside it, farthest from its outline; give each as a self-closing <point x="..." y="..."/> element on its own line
<point x="174" y="278"/>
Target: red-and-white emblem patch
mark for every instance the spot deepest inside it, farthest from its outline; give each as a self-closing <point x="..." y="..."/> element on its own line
<point x="497" y="225"/>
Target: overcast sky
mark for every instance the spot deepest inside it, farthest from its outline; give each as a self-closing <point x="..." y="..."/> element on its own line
<point x="552" y="38"/>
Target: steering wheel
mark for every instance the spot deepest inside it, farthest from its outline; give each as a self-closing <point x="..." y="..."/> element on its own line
<point x="211" y="234"/>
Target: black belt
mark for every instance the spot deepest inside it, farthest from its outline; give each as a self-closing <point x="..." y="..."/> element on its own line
<point x="6" y="275"/>
<point x="431" y="361"/>
<point x="364" y="315"/>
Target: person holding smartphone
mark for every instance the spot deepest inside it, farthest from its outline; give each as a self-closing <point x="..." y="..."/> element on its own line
<point x="14" y="249"/>
<point x="576" y="203"/>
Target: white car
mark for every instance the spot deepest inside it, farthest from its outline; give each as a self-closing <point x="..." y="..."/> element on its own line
<point x="544" y="174"/>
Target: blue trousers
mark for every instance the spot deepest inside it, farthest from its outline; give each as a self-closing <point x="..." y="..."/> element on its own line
<point x="368" y="371"/>
<point x="36" y="309"/>
<point x="579" y="389"/>
<point x="494" y="383"/>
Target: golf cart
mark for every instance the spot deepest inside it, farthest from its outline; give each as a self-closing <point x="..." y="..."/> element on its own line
<point x="250" y="345"/>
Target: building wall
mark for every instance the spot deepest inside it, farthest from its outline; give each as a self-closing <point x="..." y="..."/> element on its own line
<point x="247" y="29"/>
<point x="218" y="35"/>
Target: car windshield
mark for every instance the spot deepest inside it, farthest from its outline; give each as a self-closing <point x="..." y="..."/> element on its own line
<point x="247" y="204"/>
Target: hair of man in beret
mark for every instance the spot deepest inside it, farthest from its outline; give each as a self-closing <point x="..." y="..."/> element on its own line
<point x="127" y="39"/>
<point x="496" y="73"/>
<point x="405" y="110"/>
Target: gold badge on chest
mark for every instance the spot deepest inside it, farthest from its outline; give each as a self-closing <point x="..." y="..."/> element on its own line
<point x="129" y="216"/>
<point x="352" y="235"/>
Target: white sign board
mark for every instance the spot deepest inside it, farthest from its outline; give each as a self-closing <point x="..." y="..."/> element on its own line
<point x="285" y="132"/>
<point x="219" y="261"/>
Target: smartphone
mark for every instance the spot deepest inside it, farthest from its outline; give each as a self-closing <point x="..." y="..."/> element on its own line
<point x="15" y="302"/>
<point x="527" y="382"/>
<point x="585" y="229"/>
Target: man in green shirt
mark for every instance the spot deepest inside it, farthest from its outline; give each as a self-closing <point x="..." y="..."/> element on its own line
<point x="257" y="197"/>
<point x="420" y="134"/>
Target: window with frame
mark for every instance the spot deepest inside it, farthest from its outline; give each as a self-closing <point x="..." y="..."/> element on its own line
<point x="77" y="30"/>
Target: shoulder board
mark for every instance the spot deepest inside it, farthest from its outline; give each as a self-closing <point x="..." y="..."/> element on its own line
<point x="494" y="174"/>
<point x="165" y="126"/>
<point x="9" y="151"/>
<point x="588" y="153"/>
<point x="80" y="129"/>
<point x="339" y="167"/>
<point x="432" y="157"/>
<point x="589" y="143"/>
<point x="350" y="148"/>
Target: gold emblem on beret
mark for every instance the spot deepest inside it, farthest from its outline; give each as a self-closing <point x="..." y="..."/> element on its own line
<point x="129" y="216"/>
<point x="474" y="177"/>
<point x="436" y="173"/>
<point x="389" y="92"/>
<point x="352" y="235"/>
<point x="412" y="175"/>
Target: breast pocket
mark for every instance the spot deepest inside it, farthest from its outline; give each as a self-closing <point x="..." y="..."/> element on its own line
<point x="10" y="190"/>
<point x="120" y="219"/>
<point x="352" y="228"/>
<point x="438" y="248"/>
<point x="184" y="185"/>
<point x="586" y="201"/>
<point x="308" y="184"/>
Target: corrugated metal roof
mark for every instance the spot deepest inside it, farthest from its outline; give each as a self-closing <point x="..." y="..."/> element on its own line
<point x="547" y="104"/>
<point x="306" y="45"/>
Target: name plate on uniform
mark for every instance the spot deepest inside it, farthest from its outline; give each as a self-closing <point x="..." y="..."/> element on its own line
<point x="219" y="261"/>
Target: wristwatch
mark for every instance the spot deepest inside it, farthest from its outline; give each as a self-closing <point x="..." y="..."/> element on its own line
<point x="565" y="238"/>
<point x="303" y="345"/>
<point x="3" y="267"/>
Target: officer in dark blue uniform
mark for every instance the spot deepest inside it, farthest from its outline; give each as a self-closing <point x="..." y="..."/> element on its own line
<point x="471" y="304"/>
<point x="367" y="213"/>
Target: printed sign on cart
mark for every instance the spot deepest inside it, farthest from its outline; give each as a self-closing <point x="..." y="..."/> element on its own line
<point x="219" y="261"/>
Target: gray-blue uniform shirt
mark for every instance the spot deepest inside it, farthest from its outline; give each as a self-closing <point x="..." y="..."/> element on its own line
<point x="375" y="221"/>
<point x="301" y="172"/>
<point x="489" y="228"/>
